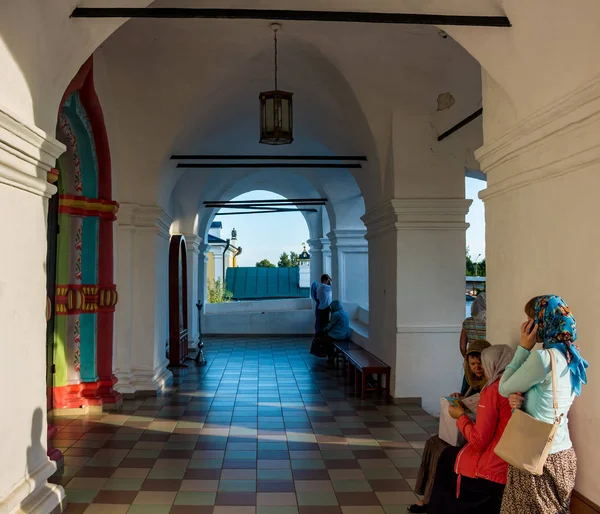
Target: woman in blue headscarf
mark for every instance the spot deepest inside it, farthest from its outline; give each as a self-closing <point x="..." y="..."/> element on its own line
<point x="527" y="382"/>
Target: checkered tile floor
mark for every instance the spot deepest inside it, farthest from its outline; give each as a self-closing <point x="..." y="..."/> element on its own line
<point x="265" y="428"/>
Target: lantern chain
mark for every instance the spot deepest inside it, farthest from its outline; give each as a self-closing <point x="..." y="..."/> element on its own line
<point x="275" y="38"/>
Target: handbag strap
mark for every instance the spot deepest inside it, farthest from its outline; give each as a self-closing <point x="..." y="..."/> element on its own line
<point x="554" y="398"/>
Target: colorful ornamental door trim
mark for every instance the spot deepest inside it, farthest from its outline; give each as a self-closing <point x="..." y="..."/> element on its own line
<point x="85" y="295"/>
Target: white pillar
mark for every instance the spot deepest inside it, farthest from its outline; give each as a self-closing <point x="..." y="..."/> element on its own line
<point x="218" y="258"/>
<point x="145" y="329"/>
<point x="123" y="311"/>
<point x="27" y="154"/>
<point x="326" y="255"/>
<point x="193" y="243"/>
<point x="417" y="293"/>
<point x="543" y="237"/>
<point x="316" y="259"/>
<point x="204" y="250"/>
<point x="350" y="266"/>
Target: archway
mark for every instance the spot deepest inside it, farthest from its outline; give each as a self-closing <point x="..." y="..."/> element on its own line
<point x="178" y="301"/>
<point x="85" y="296"/>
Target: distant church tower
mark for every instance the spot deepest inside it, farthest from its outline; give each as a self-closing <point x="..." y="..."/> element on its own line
<point x="304" y="264"/>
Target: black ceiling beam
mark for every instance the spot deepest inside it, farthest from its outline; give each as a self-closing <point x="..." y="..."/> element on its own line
<point x="259" y="206"/>
<point x="291" y="15"/>
<point x="193" y="157"/>
<point x="288" y="200"/>
<point x="267" y="165"/>
<point x="269" y="211"/>
<point x="461" y="124"/>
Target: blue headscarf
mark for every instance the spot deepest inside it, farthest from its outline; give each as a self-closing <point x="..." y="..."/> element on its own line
<point x="557" y="329"/>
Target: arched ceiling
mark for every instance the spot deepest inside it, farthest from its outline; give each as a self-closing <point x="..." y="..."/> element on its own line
<point x="344" y="207"/>
<point x="196" y="84"/>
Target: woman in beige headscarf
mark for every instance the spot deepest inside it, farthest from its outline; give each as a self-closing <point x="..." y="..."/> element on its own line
<point x="470" y="480"/>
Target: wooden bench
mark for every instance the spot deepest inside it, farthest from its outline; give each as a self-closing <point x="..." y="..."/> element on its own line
<point x="365" y="364"/>
<point x="360" y="361"/>
<point x="341" y="350"/>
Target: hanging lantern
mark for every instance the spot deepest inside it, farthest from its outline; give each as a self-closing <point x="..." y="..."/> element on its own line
<point x="276" y="120"/>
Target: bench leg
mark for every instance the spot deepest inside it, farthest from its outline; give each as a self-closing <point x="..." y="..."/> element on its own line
<point x="356" y="381"/>
<point x="364" y="385"/>
<point x="387" y="386"/>
<point x="378" y="383"/>
<point x="349" y="370"/>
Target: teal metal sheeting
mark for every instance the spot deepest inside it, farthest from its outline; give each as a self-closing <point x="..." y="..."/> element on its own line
<point x="264" y="283"/>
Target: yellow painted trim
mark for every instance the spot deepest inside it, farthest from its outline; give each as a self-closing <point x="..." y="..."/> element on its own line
<point x="89" y="205"/>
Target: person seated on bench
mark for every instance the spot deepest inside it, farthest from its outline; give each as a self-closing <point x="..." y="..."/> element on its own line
<point x="338" y="328"/>
<point x="434" y="445"/>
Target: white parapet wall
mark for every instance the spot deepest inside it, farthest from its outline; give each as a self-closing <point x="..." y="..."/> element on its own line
<point x="359" y="324"/>
<point x="276" y="317"/>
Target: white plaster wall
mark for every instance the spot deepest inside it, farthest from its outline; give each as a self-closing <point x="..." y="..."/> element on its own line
<point x="527" y="67"/>
<point x="549" y="51"/>
<point x="41" y="50"/>
<point x="123" y="313"/>
<point x="26" y="155"/>
<point x="259" y="306"/>
<point x="193" y="269"/>
<point x="22" y="318"/>
<point x="430" y="310"/>
<point x="277" y="317"/>
<point x="350" y="266"/>
<point x="142" y="320"/>
<point x="339" y="114"/>
<point x="543" y="238"/>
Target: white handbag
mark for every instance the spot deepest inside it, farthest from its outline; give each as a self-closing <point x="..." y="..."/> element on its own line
<point x="448" y="431"/>
<point x="527" y="441"/>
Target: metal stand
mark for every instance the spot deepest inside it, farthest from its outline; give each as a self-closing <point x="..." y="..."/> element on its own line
<point x="200" y="359"/>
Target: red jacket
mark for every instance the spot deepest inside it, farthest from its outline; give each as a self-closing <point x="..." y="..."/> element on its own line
<point x="477" y="459"/>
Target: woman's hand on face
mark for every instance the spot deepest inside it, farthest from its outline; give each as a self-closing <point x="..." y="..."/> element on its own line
<point x="455" y="411"/>
<point x="516" y="400"/>
<point x="529" y="334"/>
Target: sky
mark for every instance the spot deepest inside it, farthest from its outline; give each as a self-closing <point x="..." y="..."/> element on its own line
<point x="476" y="219"/>
<point x="267" y="236"/>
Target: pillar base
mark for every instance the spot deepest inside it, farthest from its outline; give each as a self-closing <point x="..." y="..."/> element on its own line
<point x="88" y="394"/>
<point x="151" y="382"/>
<point x="124" y="385"/>
<point x="34" y="495"/>
<point x="72" y="396"/>
<point x="111" y="399"/>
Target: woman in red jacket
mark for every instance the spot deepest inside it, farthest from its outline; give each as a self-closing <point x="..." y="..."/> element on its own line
<point x="471" y="480"/>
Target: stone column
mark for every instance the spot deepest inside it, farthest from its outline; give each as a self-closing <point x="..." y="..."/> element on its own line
<point x="193" y="243"/>
<point x="27" y="158"/>
<point x="417" y="293"/>
<point x="204" y="250"/>
<point x="326" y="255"/>
<point x="350" y="266"/>
<point x="147" y="279"/>
<point x="316" y="259"/>
<point x="543" y="237"/>
<point x="123" y="311"/>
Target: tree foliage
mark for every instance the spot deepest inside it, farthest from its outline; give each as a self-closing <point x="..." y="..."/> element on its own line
<point x="265" y="263"/>
<point x="217" y="292"/>
<point x="288" y="261"/>
<point x="474" y="269"/>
